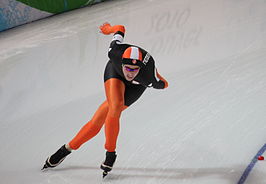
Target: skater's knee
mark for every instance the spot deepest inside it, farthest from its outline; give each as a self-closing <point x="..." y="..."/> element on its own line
<point x="115" y="109"/>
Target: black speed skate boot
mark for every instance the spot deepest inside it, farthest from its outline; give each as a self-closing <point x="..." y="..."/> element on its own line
<point x="56" y="158"/>
<point x="107" y="165"/>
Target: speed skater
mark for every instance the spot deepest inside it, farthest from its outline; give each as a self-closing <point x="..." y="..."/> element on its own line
<point x="128" y="73"/>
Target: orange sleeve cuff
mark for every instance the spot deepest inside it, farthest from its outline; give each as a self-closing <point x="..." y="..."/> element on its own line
<point x="120" y="28"/>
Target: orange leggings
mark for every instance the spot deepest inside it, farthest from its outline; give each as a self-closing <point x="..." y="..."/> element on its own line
<point x="108" y="113"/>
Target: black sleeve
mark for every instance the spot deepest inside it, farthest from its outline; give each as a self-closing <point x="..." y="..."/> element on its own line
<point x="116" y="46"/>
<point x="118" y="38"/>
<point x="157" y="83"/>
<point x="154" y="81"/>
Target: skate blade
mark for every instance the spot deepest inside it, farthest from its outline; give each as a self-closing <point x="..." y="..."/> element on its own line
<point x="105" y="174"/>
<point x="45" y="167"/>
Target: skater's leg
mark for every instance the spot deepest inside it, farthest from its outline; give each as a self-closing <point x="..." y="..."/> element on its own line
<point x="115" y="97"/>
<point x="90" y="129"/>
<point x="55" y="159"/>
<point x="114" y="89"/>
<point x="87" y="132"/>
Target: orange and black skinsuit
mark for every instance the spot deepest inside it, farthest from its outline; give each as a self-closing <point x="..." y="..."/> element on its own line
<point x="120" y="93"/>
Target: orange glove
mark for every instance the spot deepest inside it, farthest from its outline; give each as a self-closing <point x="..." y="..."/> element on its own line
<point x="107" y="29"/>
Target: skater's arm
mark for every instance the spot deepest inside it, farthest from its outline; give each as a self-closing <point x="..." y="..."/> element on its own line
<point x="118" y="30"/>
<point x="116" y="45"/>
<point x="163" y="83"/>
<point x="107" y="29"/>
<point x="157" y="81"/>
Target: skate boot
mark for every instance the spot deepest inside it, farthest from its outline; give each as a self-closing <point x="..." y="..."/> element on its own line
<point x="107" y="165"/>
<point x="56" y="158"/>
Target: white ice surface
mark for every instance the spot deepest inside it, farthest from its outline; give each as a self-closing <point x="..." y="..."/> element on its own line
<point x="204" y="129"/>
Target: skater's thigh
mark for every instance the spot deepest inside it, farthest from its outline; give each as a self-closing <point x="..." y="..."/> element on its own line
<point x="132" y="93"/>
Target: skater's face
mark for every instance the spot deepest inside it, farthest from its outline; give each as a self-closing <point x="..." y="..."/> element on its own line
<point x="130" y="71"/>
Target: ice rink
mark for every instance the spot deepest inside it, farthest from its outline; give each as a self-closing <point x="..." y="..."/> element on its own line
<point x="208" y="127"/>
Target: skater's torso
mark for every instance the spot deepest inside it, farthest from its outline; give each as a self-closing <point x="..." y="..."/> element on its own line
<point x="147" y="74"/>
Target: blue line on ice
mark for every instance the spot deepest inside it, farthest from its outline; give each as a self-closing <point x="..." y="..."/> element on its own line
<point x="251" y="165"/>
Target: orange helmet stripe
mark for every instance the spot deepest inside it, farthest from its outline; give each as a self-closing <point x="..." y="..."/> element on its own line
<point x="133" y="53"/>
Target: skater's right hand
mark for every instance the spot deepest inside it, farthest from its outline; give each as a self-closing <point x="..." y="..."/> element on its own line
<point x="106" y="28"/>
